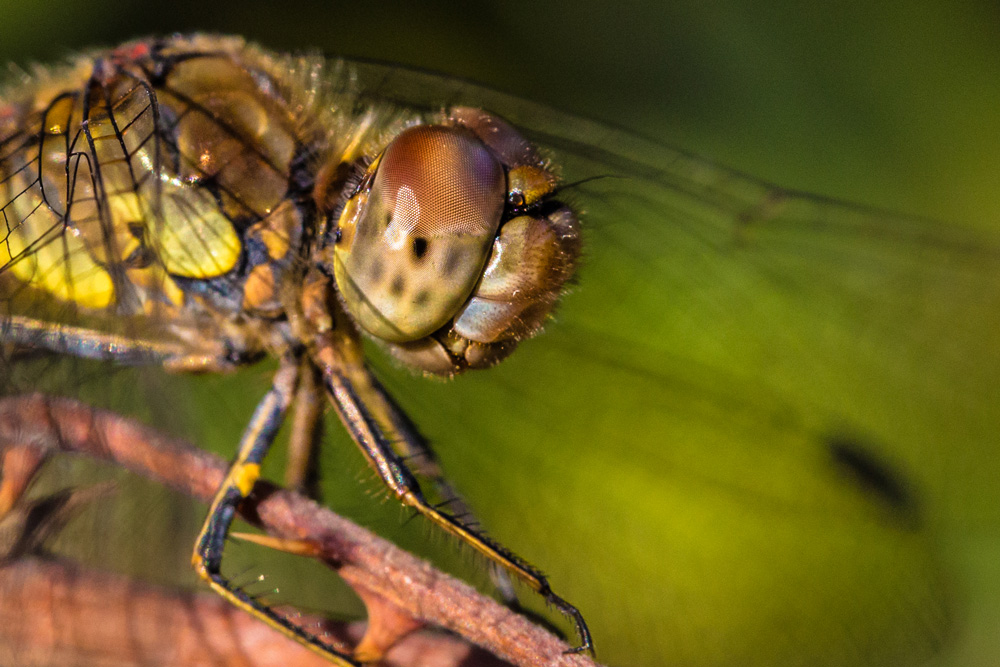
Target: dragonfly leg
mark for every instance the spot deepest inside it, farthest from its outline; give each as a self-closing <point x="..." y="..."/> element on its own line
<point x="307" y="431"/>
<point x="414" y="448"/>
<point x="408" y="443"/>
<point x="237" y="485"/>
<point x="32" y="334"/>
<point x="351" y="400"/>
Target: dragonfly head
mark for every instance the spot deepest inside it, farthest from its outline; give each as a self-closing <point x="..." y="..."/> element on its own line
<point x="452" y="249"/>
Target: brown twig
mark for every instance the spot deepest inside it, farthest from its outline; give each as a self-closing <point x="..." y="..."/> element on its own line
<point x="365" y="561"/>
<point x="57" y="613"/>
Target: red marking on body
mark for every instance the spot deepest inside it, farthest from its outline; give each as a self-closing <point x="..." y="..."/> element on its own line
<point x="131" y="52"/>
<point x="8" y="121"/>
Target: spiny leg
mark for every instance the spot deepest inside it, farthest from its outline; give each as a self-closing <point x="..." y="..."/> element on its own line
<point x="351" y="400"/>
<point x="411" y="446"/>
<point x="237" y="485"/>
<point x="407" y="442"/>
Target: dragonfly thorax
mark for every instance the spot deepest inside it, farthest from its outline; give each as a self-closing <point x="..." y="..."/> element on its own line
<point x="175" y="185"/>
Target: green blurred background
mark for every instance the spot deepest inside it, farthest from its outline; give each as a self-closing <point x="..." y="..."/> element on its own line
<point x="891" y="104"/>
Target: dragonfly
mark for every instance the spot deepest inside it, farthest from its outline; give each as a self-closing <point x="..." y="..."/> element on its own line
<point x="734" y="283"/>
<point x="173" y="187"/>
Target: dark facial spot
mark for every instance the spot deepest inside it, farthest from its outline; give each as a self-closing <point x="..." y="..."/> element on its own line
<point x="396" y="288"/>
<point x="452" y="259"/>
<point x="422" y="297"/>
<point x="367" y="232"/>
<point x="388" y="219"/>
<point x="376" y="270"/>
<point x="419" y="247"/>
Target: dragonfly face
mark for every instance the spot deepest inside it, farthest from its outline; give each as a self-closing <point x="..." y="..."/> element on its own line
<point x="762" y="399"/>
<point x="426" y="258"/>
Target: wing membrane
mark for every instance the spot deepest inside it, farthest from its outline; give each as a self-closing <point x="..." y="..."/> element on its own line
<point x="773" y="408"/>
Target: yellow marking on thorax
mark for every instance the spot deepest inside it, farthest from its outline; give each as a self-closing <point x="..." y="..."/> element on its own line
<point x="259" y="290"/>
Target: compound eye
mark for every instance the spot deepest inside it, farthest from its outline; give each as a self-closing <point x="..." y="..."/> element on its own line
<point x="413" y="246"/>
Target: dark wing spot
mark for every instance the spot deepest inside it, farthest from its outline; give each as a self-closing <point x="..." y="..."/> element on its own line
<point x="874" y="476"/>
<point x="419" y="247"/>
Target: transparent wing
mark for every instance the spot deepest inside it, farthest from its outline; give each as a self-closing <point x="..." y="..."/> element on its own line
<point x="121" y="187"/>
<point x="762" y="427"/>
